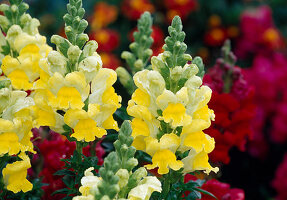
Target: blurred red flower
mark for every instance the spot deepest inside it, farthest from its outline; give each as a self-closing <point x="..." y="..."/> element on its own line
<point x="222" y="191"/>
<point x="179" y="7"/>
<point x="110" y="61"/>
<point x="133" y="9"/>
<point x="108" y="40"/>
<point x="232" y="102"/>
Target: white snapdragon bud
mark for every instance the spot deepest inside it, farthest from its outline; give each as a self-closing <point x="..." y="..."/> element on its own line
<point x="13" y="32"/>
<point x="90" y="66"/>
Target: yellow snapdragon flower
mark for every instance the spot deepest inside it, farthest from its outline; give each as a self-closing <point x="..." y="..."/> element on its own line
<point x="167" y="121"/>
<point x="23" y="70"/>
<point x="15" y="174"/>
<point x="16" y="124"/>
<point x="145" y="188"/>
<point x="103" y="102"/>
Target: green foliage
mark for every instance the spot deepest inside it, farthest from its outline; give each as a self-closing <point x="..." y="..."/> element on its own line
<point x="174" y="45"/>
<point x="73" y="172"/>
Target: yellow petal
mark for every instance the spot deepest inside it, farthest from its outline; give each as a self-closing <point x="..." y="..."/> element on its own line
<point x="164" y="160"/>
<point x="86" y="129"/>
<point x="141" y="98"/>
<point x="139" y="127"/>
<point x="20" y="80"/>
<point x="9" y="143"/>
<point x="175" y="113"/>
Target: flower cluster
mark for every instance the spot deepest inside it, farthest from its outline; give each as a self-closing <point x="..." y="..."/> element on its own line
<point x="269" y="68"/>
<point x="259" y="33"/>
<point x="74" y="84"/>
<point x="170" y="110"/>
<point x="21" y="49"/>
<point x="15" y="133"/>
<point x="117" y="180"/>
<point x="52" y="148"/>
<point x="232" y="102"/>
<point x="270" y="98"/>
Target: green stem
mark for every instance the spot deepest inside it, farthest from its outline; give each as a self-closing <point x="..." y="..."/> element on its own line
<point x="93" y="146"/>
<point x="79" y="147"/>
<point x="166" y="186"/>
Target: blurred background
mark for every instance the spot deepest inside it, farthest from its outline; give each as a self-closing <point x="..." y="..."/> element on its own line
<point x="250" y="103"/>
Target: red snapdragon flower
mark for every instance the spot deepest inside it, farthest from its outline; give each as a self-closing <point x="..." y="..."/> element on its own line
<point x="258" y="32"/>
<point x="222" y="191"/>
<point x="232" y="102"/>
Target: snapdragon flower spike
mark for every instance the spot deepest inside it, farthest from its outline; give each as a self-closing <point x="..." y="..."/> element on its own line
<point x="140" y="54"/>
<point x="73" y="83"/>
<point x="117" y="179"/>
<point x="15" y="134"/>
<point x="170" y="110"/>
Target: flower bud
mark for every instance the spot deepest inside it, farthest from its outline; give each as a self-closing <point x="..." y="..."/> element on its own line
<point x="74" y="53"/>
<point x="176" y="73"/>
<point x="90" y="48"/>
<point x="57" y="62"/>
<point x="124" y="77"/>
<point x="90" y="66"/>
<point x="13" y="32"/>
<point x="14" y="8"/>
<point x="123" y="175"/>
<point x="138" y="64"/>
<point x="126" y="55"/>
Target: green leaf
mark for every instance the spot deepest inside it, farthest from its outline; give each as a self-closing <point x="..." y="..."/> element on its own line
<point x="205" y="192"/>
<point x="61" y="191"/>
<point x="64" y="172"/>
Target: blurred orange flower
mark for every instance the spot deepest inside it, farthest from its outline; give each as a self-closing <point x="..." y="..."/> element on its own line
<point x="104" y="14"/>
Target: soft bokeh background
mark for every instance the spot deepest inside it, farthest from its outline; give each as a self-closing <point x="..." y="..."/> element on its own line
<point x="257" y="161"/>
